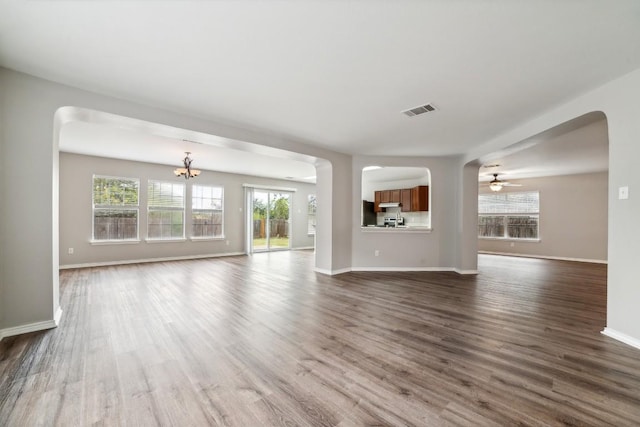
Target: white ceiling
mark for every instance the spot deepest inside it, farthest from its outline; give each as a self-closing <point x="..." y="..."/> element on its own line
<point x="386" y="174"/>
<point x="335" y="74"/>
<point x="111" y="141"/>
<point x="581" y="150"/>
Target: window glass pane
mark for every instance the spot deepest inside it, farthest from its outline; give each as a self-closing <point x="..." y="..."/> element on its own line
<point x="509" y="215"/>
<point x="166" y="210"/>
<point x="166" y="194"/>
<point x="115" y="191"/>
<point x="506" y="203"/>
<point x="491" y="226"/>
<point x="207" y="208"/>
<point x="311" y="214"/>
<point x="522" y="227"/>
<point x="115" y="208"/>
<point x="115" y="224"/>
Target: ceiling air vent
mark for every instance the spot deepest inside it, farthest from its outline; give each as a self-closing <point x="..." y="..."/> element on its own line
<point x="427" y="108"/>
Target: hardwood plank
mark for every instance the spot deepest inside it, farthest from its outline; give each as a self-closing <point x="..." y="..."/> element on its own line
<point x="263" y="340"/>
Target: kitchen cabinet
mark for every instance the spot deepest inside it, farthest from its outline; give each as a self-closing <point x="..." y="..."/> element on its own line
<point x="420" y="198"/>
<point x="411" y="199"/>
<point x="405" y="200"/>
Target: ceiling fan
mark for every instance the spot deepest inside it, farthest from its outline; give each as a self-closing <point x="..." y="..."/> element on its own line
<point x="496" y="184"/>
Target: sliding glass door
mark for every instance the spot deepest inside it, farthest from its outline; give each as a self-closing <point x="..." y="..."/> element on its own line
<point x="270" y="220"/>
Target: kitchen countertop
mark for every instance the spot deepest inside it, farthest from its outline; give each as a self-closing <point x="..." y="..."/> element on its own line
<point x="399" y="229"/>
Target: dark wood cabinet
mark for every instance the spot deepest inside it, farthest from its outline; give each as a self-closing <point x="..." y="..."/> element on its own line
<point x="420" y="198"/>
<point x="405" y="200"/>
<point x="411" y="199"/>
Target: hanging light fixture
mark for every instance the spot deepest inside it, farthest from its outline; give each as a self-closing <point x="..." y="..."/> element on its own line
<point x="495" y="184"/>
<point x="186" y="171"/>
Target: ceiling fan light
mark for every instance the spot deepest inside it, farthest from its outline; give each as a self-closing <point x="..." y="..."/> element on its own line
<point x="495" y="186"/>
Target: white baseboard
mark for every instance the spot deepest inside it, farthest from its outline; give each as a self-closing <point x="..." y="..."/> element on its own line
<point x="611" y="333"/>
<point x="146" y="260"/>
<point x="465" y="272"/>
<point x="402" y="269"/>
<point x="57" y="316"/>
<point x="398" y="269"/>
<point x="332" y="272"/>
<point x="303" y="248"/>
<point x="32" y="327"/>
<point x="559" y="258"/>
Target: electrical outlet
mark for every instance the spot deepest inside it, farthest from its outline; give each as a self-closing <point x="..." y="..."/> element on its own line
<point x="70" y="251"/>
<point x="512" y="244"/>
<point x="623" y="193"/>
<point x="376" y="252"/>
<point x="227" y="243"/>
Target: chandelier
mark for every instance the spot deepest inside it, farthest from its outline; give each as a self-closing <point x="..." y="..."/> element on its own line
<point x="186" y="171"/>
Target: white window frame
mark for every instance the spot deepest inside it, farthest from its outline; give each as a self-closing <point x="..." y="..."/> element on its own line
<point x="195" y="210"/>
<point x="505" y="215"/>
<point x="105" y="207"/>
<point x="157" y="208"/>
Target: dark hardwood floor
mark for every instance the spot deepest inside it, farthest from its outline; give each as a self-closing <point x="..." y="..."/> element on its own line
<point x="263" y="340"/>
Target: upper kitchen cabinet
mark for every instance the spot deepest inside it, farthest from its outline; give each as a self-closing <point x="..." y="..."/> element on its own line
<point x="420" y="198"/>
<point x="377" y="198"/>
<point x="405" y="200"/>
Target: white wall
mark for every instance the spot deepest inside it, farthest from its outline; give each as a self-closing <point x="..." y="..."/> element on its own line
<point x="76" y="173"/>
<point x="573" y="218"/>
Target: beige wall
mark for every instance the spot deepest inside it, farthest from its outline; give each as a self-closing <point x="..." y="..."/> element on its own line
<point x="573" y="218"/>
<point x="408" y="250"/>
<point x="76" y="172"/>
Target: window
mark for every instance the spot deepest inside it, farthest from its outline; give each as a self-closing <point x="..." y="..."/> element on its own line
<point x="312" y="206"/>
<point x="165" y="214"/>
<point x="206" y="213"/>
<point x="115" y="208"/>
<point x="509" y="215"/>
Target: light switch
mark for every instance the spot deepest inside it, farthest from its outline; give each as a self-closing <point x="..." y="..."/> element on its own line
<point x="623" y="193"/>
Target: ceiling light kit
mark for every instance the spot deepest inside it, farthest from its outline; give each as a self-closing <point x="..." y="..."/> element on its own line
<point x="496" y="184"/>
<point x="186" y="171"/>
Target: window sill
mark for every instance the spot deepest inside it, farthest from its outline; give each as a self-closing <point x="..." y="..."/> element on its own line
<point x="114" y="242"/>
<point x="509" y="239"/>
<point x="206" y="239"/>
<point x="166" y="240"/>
